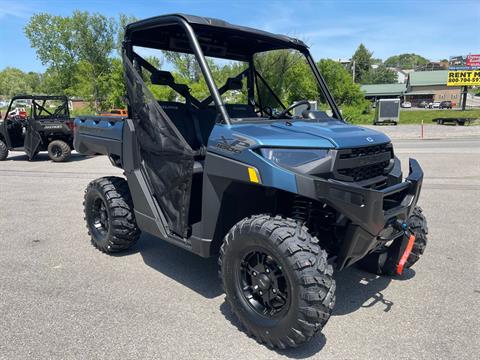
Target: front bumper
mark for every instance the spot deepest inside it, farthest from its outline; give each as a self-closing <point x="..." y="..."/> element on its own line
<point x="375" y="216"/>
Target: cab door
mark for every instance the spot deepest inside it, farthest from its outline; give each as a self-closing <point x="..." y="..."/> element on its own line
<point x="32" y="138"/>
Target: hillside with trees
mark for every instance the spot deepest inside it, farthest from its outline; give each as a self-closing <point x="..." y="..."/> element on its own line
<point x="406" y="61"/>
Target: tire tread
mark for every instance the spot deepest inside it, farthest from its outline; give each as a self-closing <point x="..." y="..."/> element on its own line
<point x="311" y="268"/>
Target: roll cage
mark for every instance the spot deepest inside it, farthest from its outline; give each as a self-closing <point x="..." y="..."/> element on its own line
<point x="38" y="103"/>
<point x="211" y="37"/>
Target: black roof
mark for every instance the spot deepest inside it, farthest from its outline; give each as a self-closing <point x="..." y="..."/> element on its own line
<point x="39" y="97"/>
<point x="217" y="38"/>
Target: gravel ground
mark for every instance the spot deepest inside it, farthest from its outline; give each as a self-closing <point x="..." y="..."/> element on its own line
<point x="62" y="299"/>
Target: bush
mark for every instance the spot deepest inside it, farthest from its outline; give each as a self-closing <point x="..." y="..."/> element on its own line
<point x="85" y="110"/>
<point x="357" y="114"/>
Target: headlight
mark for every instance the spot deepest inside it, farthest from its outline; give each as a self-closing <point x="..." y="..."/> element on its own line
<point x="293" y="157"/>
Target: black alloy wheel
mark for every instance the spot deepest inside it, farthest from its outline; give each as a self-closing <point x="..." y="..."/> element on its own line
<point x="263" y="284"/>
<point x="99" y="217"/>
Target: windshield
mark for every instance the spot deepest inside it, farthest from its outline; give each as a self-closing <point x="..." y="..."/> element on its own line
<point x="277" y="80"/>
<point x="284" y="78"/>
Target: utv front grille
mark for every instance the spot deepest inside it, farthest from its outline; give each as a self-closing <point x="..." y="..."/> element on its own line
<point x="359" y="164"/>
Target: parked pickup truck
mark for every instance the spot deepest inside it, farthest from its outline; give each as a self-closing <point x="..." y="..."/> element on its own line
<point x="281" y="199"/>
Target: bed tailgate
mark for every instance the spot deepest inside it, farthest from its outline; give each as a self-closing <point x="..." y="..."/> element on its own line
<point x="98" y="135"/>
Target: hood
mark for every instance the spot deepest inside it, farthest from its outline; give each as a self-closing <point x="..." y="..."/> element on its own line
<point x="331" y="134"/>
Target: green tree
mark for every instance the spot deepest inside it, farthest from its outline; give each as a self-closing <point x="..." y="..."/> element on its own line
<point x="380" y="75"/>
<point x="53" y="39"/>
<point x="77" y="49"/>
<point x="123" y="21"/>
<point x="289" y="76"/>
<point x="52" y="82"/>
<point x="13" y="82"/>
<point x="362" y="61"/>
<point x="340" y="83"/>
<point x="406" y="61"/>
<point x="94" y="38"/>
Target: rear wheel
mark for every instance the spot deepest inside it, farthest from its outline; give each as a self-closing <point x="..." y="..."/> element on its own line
<point x="277" y="280"/>
<point x="59" y="151"/>
<point x="108" y="209"/>
<point x="3" y="150"/>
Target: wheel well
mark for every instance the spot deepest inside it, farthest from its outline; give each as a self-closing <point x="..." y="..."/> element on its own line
<point x="241" y="200"/>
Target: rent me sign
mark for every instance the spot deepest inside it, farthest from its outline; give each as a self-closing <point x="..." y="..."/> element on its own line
<point x="463" y="78"/>
<point x="464" y="70"/>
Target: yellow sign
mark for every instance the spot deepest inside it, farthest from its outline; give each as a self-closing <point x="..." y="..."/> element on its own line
<point x="463" y="78"/>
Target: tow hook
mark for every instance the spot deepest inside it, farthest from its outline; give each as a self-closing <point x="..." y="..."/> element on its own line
<point x="406" y="252"/>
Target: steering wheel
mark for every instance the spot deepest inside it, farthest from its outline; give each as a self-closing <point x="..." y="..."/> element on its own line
<point x="267" y="110"/>
<point x="293" y="106"/>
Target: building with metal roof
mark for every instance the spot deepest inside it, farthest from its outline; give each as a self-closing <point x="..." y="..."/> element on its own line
<point x="421" y="87"/>
<point x="428" y="78"/>
<point x="384" y="90"/>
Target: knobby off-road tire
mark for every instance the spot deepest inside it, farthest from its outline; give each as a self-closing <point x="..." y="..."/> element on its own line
<point x="417" y="224"/>
<point x="3" y="150"/>
<point x="307" y="284"/>
<point x="59" y="151"/>
<point x="108" y="209"/>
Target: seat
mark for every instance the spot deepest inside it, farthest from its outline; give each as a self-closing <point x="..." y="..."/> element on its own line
<point x="181" y="117"/>
<point x="206" y="119"/>
<point x="240" y="111"/>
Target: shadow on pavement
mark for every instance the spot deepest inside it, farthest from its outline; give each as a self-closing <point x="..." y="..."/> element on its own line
<point x="355" y="288"/>
<point x="359" y="289"/>
<point x="196" y="273"/>
<point x="44" y="157"/>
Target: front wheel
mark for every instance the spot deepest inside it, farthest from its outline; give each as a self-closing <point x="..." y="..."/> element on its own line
<point x="59" y="151"/>
<point x="417" y="223"/>
<point x="277" y="280"/>
<point x="108" y="209"/>
<point x="3" y="150"/>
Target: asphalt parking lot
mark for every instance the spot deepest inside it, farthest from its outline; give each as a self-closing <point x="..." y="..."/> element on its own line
<point x="62" y="299"/>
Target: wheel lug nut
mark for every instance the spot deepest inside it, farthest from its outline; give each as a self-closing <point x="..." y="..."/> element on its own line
<point x="274" y="291"/>
<point x="261" y="293"/>
<point x="254" y="273"/>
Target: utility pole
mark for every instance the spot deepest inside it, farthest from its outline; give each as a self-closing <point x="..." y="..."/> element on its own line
<point x="464" y="95"/>
<point x="353" y="70"/>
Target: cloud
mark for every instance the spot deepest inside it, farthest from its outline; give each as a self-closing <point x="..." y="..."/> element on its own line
<point x="15" y="9"/>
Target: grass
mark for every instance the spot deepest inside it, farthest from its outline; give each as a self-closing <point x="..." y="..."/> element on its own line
<point x="416" y="116"/>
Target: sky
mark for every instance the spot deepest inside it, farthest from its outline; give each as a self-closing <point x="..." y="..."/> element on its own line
<point x="435" y="29"/>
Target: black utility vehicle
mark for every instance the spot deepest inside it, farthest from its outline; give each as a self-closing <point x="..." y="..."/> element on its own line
<point x="45" y="126"/>
<point x="283" y="200"/>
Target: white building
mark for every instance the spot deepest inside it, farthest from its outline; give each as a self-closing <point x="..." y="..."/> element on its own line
<point x="402" y="74"/>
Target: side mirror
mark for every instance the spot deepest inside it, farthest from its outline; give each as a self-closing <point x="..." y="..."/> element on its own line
<point x="160" y="77"/>
<point x="234" y="84"/>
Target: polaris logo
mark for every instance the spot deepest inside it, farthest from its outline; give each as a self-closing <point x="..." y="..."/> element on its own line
<point x="369" y="139"/>
<point x="236" y="145"/>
